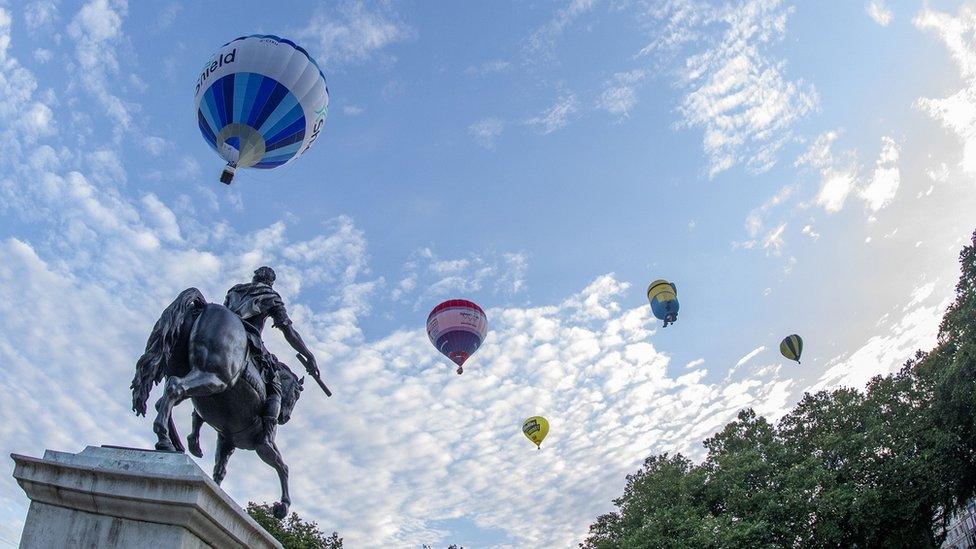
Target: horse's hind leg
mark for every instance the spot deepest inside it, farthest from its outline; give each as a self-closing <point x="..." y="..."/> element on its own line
<point x="268" y="452"/>
<point x="178" y="389"/>
<point x="164" y="410"/>
<point x="174" y="436"/>
<point x="193" y="439"/>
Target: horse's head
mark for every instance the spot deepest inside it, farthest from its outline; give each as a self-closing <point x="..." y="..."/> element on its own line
<point x="291" y="389"/>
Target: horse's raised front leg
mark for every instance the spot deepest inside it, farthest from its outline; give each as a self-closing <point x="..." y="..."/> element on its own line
<point x="224" y="450"/>
<point x="178" y="389"/>
<point x="193" y="439"/>
<point x="268" y="452"/>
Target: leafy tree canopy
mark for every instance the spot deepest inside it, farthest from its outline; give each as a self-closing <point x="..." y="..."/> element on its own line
<point x="292" y="531"/>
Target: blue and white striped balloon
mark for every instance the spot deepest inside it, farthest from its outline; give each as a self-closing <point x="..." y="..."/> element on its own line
<point x="261" y="102"/>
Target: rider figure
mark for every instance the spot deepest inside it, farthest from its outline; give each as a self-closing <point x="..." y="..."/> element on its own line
<point x="254" y="302"/>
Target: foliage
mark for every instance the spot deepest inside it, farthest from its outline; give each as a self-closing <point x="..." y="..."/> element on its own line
<point x="293" y="532"/>
<point x="882" y="467"/>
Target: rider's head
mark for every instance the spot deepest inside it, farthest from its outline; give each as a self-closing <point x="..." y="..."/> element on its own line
<point x="265" y="275"/>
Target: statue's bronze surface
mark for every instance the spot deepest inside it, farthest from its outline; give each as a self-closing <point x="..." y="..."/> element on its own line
<point x="213" y="354"/>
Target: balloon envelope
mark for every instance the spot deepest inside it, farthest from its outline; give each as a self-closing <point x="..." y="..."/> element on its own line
<point x="261" y="101"/>
<point x="535" y="429"/>
<point x="457" y="327"/>
<point x="792" y="347"/>
<point x="663" y="296"/>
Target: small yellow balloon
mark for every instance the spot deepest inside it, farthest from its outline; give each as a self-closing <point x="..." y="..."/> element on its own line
<point x="535" y="429"/>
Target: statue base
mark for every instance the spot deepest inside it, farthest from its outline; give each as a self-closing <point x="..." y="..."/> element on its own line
<point x="124" y="497"/>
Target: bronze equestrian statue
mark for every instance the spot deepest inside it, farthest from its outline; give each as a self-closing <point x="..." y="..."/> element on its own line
<point x="213" y="354"/>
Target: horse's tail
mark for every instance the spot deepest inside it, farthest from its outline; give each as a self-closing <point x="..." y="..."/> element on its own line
<point x="171" y="327"/>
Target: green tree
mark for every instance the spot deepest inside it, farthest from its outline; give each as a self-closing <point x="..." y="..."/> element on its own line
<point x="293" y="532"/>
<point x="882" y="467"/>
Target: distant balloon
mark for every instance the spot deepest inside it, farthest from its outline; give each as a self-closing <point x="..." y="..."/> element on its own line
<point x="261" y="102"/>
<point x="457" y="328"/>
<point x="663" y="296"/>
<point x="535" y="429"/>
<point x="792" y="347"/>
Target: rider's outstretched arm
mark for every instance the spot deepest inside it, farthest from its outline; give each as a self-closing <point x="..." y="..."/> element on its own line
<point x="297" y="343"/>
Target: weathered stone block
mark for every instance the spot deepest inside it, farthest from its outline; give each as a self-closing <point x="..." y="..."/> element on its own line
<point x="125" y="497"/>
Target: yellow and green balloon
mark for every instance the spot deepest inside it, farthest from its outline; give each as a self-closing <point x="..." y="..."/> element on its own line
<point x="791" y="347"/>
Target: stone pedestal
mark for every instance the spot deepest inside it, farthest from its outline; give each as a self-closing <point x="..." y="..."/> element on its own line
<point x="121" y="497"/>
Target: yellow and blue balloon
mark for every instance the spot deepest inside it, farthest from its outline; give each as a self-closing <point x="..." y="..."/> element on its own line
<point x="663" y="296"/>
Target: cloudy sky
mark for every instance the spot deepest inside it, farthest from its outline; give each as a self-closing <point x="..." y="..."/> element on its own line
<point x="800" y="167"/>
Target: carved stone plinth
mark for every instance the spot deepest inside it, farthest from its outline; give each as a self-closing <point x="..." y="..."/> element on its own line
<point x="121" y="497"/>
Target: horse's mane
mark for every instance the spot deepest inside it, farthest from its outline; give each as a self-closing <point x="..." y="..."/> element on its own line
<point x="172" y="326"/>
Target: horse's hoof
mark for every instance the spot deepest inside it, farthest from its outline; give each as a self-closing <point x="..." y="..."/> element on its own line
<point x="280" y="510"/>
<point x="194" y="446"/>
<point x="165" y="446"/>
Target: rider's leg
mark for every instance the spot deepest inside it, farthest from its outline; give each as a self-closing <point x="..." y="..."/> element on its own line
<point x="272" y="406"/>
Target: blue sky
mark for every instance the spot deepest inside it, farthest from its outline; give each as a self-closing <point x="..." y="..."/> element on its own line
<point x="793" y="167"/>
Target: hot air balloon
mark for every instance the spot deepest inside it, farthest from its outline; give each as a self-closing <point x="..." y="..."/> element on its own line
<point x="457" y="328"/>
<point x="261" y="102"/>
<point x="791" y="347"/>
<point x="535" y="429"/>
<point x="663" y="296"/>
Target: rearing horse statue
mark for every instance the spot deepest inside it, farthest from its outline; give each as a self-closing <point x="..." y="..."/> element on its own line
<point x="202" y="351"/>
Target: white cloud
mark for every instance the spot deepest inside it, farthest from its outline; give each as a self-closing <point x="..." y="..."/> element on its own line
<point x="675" y="23"/>
<point x="437" y="278"/>
<point x="811" y="232"/>
<point x="353" y="110"/>
<point x="835" y="188"/>
<point x="773" y="241"/>
<point x="541" y="42"/>
<point x="106" y="166"/>
<point x="883" y="186"/>
<point x="838" y="176"/>
<point x="755" y="222"/>
<point x="737" y="94"/>
<point x="97" y="30"/>
<point x="620" y="93"/>
<point x="956" y="112"/>
<point x="38" y="120"/>
<point x="750" y="355"/>
<point x="42" y="55"/>
<point x="878" y="11"/>
<point x="167" y="15"/>
<point x="557" y="116"/>
<point x="40" y="14"/>
<point x="162" y="217"/>
<point x="156" y="146"/>
<point x="486" y="131"/>
<point x="886" y="352"/>
<point x="353" y="33"/>
<point x="488" y="68"/>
